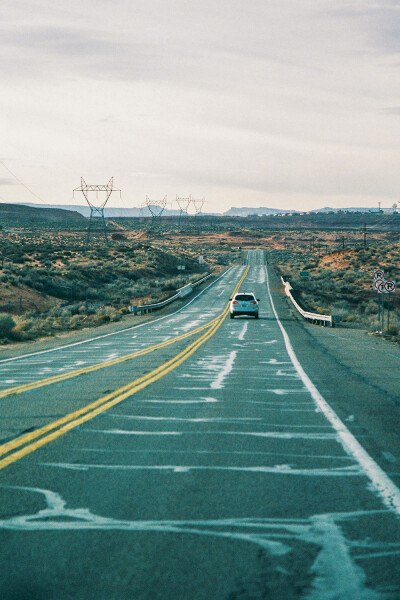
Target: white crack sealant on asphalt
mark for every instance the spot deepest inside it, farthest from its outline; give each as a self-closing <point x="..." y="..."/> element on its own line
<point x="336" y="577"/>
<point x="380" y="482"/>
<point x="200" y="401"/>
<point x="350" y="471"/>
<point x="218" y="383"/>
<point x="306" y="435"/>
<point x="243" y="332"/>
<point x="329" y="457"/>
<point x="188" y="420"/>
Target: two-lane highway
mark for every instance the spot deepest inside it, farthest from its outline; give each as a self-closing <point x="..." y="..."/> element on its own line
<point x="226" y="476"/>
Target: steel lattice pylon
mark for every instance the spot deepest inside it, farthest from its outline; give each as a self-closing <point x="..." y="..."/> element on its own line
<point x="183" y="204"/>
<point x="156" y="210"/>
<point x="97" y="208"/>
<point x="198" y="204"/>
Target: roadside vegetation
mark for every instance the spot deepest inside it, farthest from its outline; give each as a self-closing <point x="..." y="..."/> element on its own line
<point x="49" y="284"/>
<point x="341" y="282"/>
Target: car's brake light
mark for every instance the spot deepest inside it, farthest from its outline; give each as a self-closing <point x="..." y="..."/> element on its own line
<point x="253" y="302"/>
<point x="234" y="302"/>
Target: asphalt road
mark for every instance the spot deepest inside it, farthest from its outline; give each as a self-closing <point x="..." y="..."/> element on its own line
<point x="213" y="467"/>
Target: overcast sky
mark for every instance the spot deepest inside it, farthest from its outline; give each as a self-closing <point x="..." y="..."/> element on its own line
<point x="291" y="104"/>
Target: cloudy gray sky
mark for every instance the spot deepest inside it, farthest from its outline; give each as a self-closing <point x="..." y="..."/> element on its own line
<point x="283" y="103"/>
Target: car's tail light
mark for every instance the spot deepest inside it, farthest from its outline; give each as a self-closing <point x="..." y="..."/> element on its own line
<point x="253" y="302"/>
<point x="234" y="302"/>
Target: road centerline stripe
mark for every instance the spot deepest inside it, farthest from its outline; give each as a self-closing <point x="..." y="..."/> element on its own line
<point x="72" y="420"/>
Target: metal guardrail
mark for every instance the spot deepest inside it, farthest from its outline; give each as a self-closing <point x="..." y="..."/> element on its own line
<point x="181" y="293"/>
<point x="313" y="317"/>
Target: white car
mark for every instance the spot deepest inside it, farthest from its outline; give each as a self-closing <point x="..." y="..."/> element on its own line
<point x="244" y="303"/>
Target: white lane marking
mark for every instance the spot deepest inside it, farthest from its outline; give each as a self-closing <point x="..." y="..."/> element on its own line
<point x="242" y="333"/>
<point x="100" y="337"/>
<point x="218" y="383"/>
<point x="381" y="483"/>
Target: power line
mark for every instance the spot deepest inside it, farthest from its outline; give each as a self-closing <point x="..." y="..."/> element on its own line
<point x="21" y="182"/>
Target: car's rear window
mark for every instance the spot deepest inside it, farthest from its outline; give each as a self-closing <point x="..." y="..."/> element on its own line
<point x="244" y="297"/>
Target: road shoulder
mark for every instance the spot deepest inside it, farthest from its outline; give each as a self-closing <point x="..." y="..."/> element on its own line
<point x="357" y="373"/>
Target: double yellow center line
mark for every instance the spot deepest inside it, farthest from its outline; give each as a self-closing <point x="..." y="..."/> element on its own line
<point x="28" y="443"/>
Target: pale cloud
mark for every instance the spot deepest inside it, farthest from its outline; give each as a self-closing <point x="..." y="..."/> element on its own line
<point x="244" y="102"/>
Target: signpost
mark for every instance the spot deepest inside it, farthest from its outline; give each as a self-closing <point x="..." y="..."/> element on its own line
<point x="390" y="287"/>
<point x="383" y="286"/>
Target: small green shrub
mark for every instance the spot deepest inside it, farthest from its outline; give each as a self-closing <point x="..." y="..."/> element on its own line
<point x="7" y="324"/>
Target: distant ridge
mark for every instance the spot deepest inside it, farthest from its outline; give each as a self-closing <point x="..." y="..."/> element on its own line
<point x="22" y="213"/>
<point x="241" y="211"/>
<point x="109" y="211"/>
<point x="244" y="211"/>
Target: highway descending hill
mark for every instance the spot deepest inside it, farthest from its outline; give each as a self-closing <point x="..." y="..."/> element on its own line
<point x="190" y="458"/>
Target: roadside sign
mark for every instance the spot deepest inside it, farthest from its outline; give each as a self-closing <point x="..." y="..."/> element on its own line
<point x="377" y="282"/>
<point x="390" y="286"/>
<point x="381" y="287"/>
<point x="378" y="274"/>
<point x="181" y="267"/>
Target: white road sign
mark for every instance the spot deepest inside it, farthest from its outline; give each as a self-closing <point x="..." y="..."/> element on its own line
<point x="377" y="283"/>
<point x="378" y="274"/>
<point x="390" y="286"/>
<point x="381" y="287"/>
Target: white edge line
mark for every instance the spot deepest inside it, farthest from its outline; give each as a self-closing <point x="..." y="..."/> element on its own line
<point x="4" y="360"/>
<point x="381" y="483"/>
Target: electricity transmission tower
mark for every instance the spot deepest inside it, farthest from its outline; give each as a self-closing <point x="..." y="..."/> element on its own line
<point x="156" y="210"/>
<point x="103" y="193"/>
<point x="198" y="205"/>
<point x="183" y="204"/>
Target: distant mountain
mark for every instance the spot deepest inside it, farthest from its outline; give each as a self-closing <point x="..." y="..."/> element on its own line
<point x="109" y="211"/>
<point x="113" y="212"/>
<point x="244" y="211"/>
<point x="16" y="214"/>
<point x="328" y="209"/>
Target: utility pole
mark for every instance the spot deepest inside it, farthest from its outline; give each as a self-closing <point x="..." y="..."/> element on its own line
<point x="365" y="236"/>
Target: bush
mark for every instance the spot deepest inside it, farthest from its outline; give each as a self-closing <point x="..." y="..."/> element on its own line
<point x="7" y="324"/>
